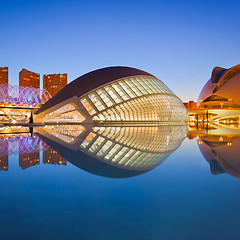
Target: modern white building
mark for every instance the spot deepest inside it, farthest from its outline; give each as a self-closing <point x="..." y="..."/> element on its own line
<point x="113" y="151"/>
<point x="113" y="95"/>
<point x="222" y="90"/>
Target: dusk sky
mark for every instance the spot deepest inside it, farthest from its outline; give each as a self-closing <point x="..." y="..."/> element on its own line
<point x="177" y="41"/>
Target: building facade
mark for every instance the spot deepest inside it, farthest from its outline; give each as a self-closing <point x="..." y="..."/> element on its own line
<point x="190" y="105"/>
<point x="4" y="163"/>
<point x="4" y="75"/>
<point x="219" y="100"/>
<point x="50" y="156"/>
<point x="53" y="83"/>
<point x="29" y="79"/>
<point x="114" y="94"/>
<point x="222" y="90"/>
<point x="27" y="160"/>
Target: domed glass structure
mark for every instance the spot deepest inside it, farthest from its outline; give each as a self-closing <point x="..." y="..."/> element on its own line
<point x="222" y="89"/>
<point x="113" y="151"/>
<point x="114" y="94"/>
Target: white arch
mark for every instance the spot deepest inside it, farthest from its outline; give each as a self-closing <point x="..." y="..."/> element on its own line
<point x="23" y="95"/>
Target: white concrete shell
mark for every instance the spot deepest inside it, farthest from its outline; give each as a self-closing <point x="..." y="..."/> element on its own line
<point x="222" y="89"/>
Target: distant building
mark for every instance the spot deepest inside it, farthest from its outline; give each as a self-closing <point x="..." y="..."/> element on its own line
<point x="50" y="156"/>
<point x="4" y="75"/>
<point x="4" y="163"/>
<point x="190" y="105"/>
<point x="29" y="79"/>
<point x="4" y="149"/>
<point x="53" y="83"/>
<point x="27" y="160"/>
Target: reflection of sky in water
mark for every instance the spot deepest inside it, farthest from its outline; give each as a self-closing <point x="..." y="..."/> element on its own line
<point x="180" y="199"/>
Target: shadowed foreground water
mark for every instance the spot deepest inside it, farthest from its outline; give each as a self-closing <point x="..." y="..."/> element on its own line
<point x="72" y="182"/>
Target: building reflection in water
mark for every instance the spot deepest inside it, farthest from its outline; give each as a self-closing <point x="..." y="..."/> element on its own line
<point x="220" y="146"/>
<point x="18" y="141"/>
<point x="29" y="151"/>
<point x="114" y="151"/>
<point x="50" y="156"/>
<point x="120" y="152"/>
<point x="111" y="151"/>
<point x="3" y="154"/>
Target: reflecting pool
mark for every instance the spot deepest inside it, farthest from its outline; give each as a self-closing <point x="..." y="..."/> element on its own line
<point x="115" y="182"/>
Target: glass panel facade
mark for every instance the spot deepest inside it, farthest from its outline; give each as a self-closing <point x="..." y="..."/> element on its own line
<point x="140" y="98"/>
<point x="88" y="105"/>
<point x="66" y="133"/>
<point x="66" y="108"/>
<point x="136" y="148"/>
<point x="105" y="97"/>
<point x="65" y="114"/>
<point x="114" y="95"/>
<point x="96" y="101"/>
<point x="161" y="108"/>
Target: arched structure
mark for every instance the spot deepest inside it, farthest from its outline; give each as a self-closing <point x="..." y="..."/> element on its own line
<point x="222" y="89"/>
<point x="222" y="153"/>
<point x="115" y="152"/>
<point x="114" y="94"/>
<point x="16" y="102"/>
<point x="21" y="144"/>
<point x="14" y="95"/>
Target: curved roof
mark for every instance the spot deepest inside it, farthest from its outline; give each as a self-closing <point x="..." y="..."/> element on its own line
<point x="90" y="81"/>
<point x="220" y="77"/>
<point x="90" y="164"/>
<point x="220" y="155"/>
<point x="226" y="75"/>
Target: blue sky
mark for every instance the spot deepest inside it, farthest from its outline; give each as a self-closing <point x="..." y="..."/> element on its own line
<point x="177" y="41"/>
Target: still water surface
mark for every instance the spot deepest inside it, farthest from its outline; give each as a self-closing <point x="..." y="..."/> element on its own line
<point x="165" y="182"/>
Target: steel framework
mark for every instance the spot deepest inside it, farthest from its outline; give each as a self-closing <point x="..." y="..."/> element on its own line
<point x="23" y="95"/>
